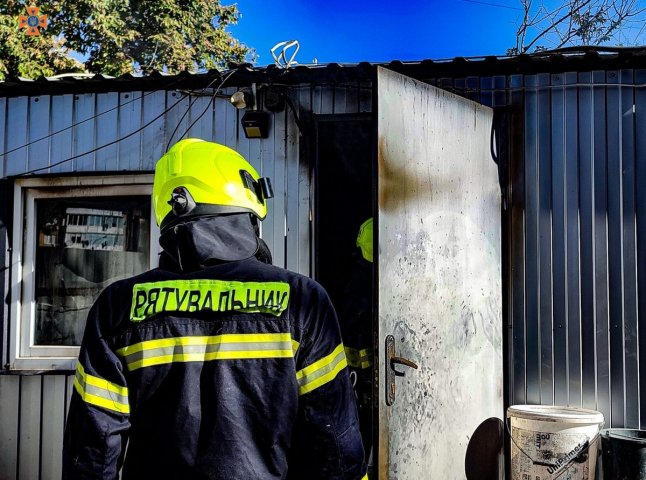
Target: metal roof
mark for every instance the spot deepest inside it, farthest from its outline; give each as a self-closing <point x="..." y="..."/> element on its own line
<point x="574" y="59"/>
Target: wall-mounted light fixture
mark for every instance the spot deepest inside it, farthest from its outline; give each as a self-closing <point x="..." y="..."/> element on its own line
<point x="255" y="123"/>
<point x="242" y="99"/>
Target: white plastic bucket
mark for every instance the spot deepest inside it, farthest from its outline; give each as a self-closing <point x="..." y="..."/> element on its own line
<point x="549" y="442"/>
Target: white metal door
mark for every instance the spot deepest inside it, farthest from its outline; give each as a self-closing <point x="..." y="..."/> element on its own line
<point x="439" y="277"/>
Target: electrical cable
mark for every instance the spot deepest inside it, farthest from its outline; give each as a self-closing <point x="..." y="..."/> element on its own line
<point x="102" y="146"/>
<point x="82" y="121"/>
<point x="186" y="92"/>
<point x="188" y="109"/>
<point x="208" y="105"/>
<point x="179" y="122"/>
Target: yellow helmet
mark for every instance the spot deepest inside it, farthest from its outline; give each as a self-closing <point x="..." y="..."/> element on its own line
<point x="196" y="177"/>
<point x="364" y="239"/>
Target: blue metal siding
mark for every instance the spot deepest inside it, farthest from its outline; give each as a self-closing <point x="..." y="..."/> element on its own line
<point x="577" y="251"/>
<point x="640" y="220"/>
<point x="33" y="408"/>
<point x="577" y="286"/>
<point x="577" y="229"/>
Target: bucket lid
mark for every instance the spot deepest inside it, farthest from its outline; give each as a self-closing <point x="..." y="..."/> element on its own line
<point x="554" y="413"/>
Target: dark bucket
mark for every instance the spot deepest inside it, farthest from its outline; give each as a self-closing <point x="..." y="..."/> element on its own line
<point x="624" y="454"/>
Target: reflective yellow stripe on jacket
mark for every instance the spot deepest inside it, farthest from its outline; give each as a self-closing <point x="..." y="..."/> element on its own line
<point x="322" y="371"/>
<point x="205" y="348"/>
<point x="359" y="358"/>
<point x="98" y="391"/>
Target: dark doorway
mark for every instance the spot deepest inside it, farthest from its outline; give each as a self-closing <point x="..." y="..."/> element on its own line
<point x="344" y="192"/>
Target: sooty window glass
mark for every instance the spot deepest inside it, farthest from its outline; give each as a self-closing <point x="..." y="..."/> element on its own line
<point x="83" y="245"/>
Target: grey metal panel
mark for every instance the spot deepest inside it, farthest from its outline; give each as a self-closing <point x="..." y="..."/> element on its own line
<point x="587" y="159"/>
<point x="277" y="146"/>
<point x="269" y="224"/>
<point x="201" y="113"/>
<point x="339" y="99"/>
<point x="629" y="277"/>
<point x="473" y="88"/>
<point x="69" y="388"/>
<point x="6" y="233"/>
<point x="220" y="112"/>
<point x="53" y="422"/>
<point x="518" y="389"/>
<point x="500" y="93"/>
<point x="599" y="348"/>
<point x="615" y="241"/>
<point x="4" y="128"/>
<point x="486" y="91"/>
<point x="559" y="193"/>
<point x="273" y="225"/>
<point x="243" y="147"/>
<point x="572" y="361"/>
<point x="316" y="100"/>
<point x="153" y="141"/>
<point x="582" y="246"/>
<point x="16" y="131"/>
<point x="365" y="98"/>
<point x="327" y="100"/>
<point x="640" y="215"/>
<point x="9" y="419"/>
<point x="352" y="99"/>
<point x="232" y="122"/>
<point x="292" y="171"/>
<point x="305" y="198"/>
<point x="30" y="422"/>
<point x="129" y="122"/>
<point x="62" y="117"/>
<point x="545" y="237"/>
<point x="83" y="136"/>
<point x="39" y="127"/>
<point x="107" y="158"/>
<point x="532" y="260"/>
<point x="175" y="121"/>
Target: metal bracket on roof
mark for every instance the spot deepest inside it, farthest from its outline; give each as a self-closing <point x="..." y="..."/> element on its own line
<point x="281" y="58"/>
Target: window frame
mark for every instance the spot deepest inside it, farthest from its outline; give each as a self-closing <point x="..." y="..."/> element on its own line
<point x="23" y="354"/>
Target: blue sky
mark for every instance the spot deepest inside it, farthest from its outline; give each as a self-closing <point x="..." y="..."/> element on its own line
<point x="379" y="30"/>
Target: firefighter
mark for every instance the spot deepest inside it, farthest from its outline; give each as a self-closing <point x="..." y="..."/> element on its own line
<point x="356" y="318"/>
<point x="216" y="365"/>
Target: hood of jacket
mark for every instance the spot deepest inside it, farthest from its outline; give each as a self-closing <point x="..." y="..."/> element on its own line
<point x="203" y="241"/>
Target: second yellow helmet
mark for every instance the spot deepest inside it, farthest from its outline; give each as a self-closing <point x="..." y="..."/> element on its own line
<point x="364" y="240"/>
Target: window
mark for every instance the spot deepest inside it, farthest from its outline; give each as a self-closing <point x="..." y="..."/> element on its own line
<point x="79" y="235"/>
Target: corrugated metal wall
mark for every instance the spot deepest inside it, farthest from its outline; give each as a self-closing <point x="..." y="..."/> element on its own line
<point x="577" y="218"/>
<point x="579" y="263"/>
<point x="577" y="238"/>
<point x="33" y="408"/>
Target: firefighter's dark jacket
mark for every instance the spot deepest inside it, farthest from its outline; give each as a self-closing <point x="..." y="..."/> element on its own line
<point x="235" y="371"/>
<point x="355" y="313"/>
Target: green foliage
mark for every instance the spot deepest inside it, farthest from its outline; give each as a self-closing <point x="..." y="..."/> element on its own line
<point x="120" y="36"/>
